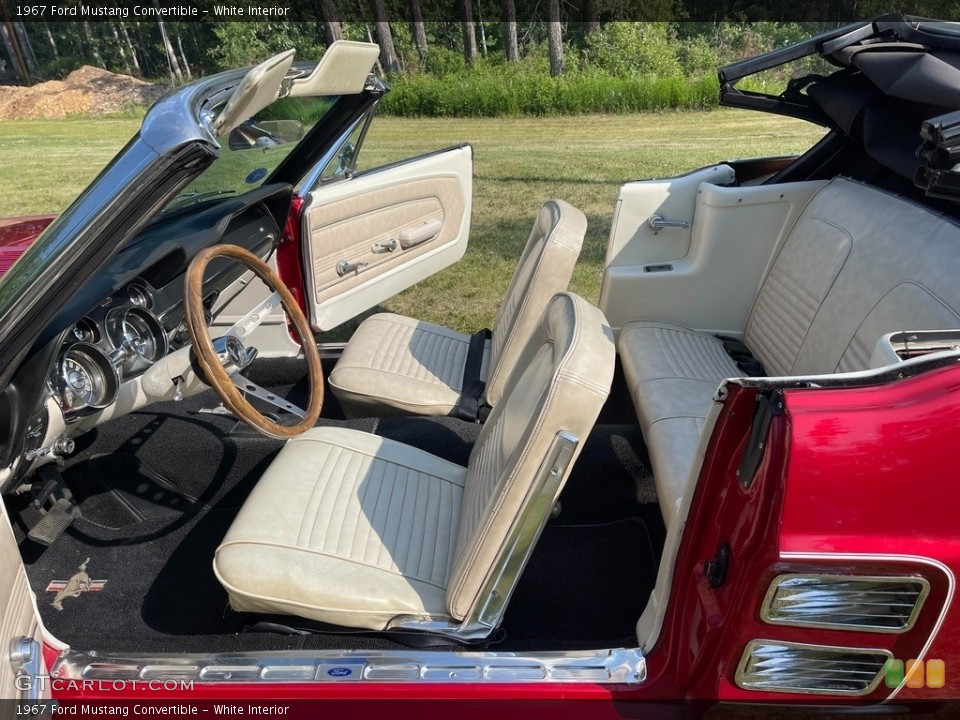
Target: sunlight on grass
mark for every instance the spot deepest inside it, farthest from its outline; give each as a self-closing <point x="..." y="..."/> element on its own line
<point x="519" y="163"/>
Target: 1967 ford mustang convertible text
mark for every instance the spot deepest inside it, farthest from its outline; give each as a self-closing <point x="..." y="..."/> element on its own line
<point x="728" y="480"/>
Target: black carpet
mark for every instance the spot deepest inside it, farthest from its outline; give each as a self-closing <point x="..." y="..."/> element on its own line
<point x="160" y="487"/>
<point x="584" y="584"/>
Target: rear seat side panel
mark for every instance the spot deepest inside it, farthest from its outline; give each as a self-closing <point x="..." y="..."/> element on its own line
<point x="858" y="263"/>
<point x="735" y="233"/>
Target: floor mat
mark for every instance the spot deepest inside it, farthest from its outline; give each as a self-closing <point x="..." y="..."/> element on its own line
<point x="584" y="583"/>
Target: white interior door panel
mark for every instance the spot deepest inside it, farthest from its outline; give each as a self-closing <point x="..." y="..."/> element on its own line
<point x="18" y="619"/>
<point x="734" y="233"/>
<point x="370" y="236"/>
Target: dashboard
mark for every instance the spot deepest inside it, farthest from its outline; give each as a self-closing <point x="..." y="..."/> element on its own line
<point x="121" y="338"/>
<point x="97" y="356"/>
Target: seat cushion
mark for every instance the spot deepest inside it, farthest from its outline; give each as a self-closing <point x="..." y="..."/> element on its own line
<point x="347" y="528"/>
<point x="672" y="373"/>
<point x="395" y="365"/>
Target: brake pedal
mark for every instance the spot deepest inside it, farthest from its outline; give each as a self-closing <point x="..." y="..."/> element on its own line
<point x="57" y="519"/>
<point x="62" y="511"/>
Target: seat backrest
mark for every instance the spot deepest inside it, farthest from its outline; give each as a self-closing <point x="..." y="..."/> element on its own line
<point x="558" y="386"/>
<point x="858" y="263"/>
<point x="545" y="268"/>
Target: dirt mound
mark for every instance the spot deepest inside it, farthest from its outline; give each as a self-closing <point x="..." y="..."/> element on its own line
<point x="85" y="91"/>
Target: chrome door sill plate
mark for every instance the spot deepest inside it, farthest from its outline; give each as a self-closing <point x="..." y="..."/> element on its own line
<point x="605" y="667"/>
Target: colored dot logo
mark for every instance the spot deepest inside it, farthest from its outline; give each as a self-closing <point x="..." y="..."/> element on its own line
<point x="916" y="673"/>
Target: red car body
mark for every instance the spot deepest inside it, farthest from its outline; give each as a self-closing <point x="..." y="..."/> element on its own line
<point x="854" y="479"/>
<point x="16" y="234"/>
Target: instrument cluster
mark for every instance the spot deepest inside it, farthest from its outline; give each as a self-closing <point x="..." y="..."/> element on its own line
<point x="118" y="340"/>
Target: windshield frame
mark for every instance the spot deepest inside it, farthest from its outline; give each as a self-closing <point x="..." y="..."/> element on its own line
<point x="173" y="146"/>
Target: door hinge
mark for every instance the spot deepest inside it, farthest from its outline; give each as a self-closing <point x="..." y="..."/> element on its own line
<point x="768" y="405"/>
<point x="26" y="662"/>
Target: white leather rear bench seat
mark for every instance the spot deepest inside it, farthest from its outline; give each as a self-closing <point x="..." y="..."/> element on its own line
<point x="858" y="263"/>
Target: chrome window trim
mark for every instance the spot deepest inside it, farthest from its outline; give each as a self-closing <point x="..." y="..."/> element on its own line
<point x="742" y="681"/>
<point x="314" y="180"/>
<point x="766" y="610"/>
<point x="618" y="666"/>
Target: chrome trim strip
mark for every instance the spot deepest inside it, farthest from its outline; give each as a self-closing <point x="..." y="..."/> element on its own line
<point x="768" y="613"/>
<point x="858" y="378"/>
<point x="311" y="181"/>
<point x="854" y="557"/>
<point x="619" y="666"/>
<point x="755" y="647"/>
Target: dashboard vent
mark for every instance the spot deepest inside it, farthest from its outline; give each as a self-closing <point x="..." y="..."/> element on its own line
<point x="845" y="602"/>
<point x="794" y="668"/>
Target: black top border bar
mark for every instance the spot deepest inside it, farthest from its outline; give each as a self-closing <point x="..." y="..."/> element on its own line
<point x="572" y="11"/>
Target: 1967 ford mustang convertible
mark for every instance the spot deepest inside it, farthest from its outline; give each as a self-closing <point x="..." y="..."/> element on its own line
<point x="728" y="480"/>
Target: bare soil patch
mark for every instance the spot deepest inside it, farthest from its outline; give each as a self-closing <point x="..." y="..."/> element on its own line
<point x="86" y="91"/>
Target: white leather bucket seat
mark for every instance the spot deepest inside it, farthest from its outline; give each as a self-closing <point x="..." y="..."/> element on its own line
<point x="357" y="530"/>
<point x="395" y="365"/>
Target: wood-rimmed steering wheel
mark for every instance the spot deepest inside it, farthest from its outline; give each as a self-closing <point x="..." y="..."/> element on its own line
<point x="222" y="360"/>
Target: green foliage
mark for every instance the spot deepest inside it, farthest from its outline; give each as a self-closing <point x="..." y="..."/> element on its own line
<point x="697" y="57"/>
<point x="623" y="48"/>
<point x="441" y="61"/>
<point x="486" y="94"/>
<point x="622" y="67"/>
<point x="246" y="43"/>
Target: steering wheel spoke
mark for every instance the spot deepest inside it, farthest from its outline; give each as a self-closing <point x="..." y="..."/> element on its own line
<point x="251" y="389"/>
<point x="223" y="361"/>
<point x="244" y="327"/>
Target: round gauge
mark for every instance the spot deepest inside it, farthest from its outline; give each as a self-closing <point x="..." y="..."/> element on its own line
<point x="139" y="295"/>
<point x="86" y="330"/>
<point x="138" y="336"/>
<point x="87" y="378"/>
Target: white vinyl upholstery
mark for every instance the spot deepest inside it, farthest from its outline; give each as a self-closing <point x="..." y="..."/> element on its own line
<point x="672" y="372"/>
<point x="353" y="529"/>
<point x="344" y="527"/>
<point x="395" y="365"/>
<point x="858" y="263"/>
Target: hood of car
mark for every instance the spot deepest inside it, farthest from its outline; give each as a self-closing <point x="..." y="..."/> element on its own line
<point x="16" y="235"/>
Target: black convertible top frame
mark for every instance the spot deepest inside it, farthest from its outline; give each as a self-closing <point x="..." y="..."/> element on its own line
<point x="791" y="102"/>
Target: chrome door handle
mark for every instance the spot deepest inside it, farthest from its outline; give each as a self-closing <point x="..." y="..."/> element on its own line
<point x="387" y="246"/>
<point x="658" y="223"/>
<point x="344" y="267"/>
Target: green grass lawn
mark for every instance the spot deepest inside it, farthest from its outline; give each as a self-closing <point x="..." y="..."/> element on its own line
<point x="519" y="163"/>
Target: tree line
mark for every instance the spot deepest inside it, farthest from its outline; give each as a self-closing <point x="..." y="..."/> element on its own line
<point x="425" y="36"/>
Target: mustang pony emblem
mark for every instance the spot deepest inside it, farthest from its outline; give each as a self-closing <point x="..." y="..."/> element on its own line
<point x="79" y="583"/>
